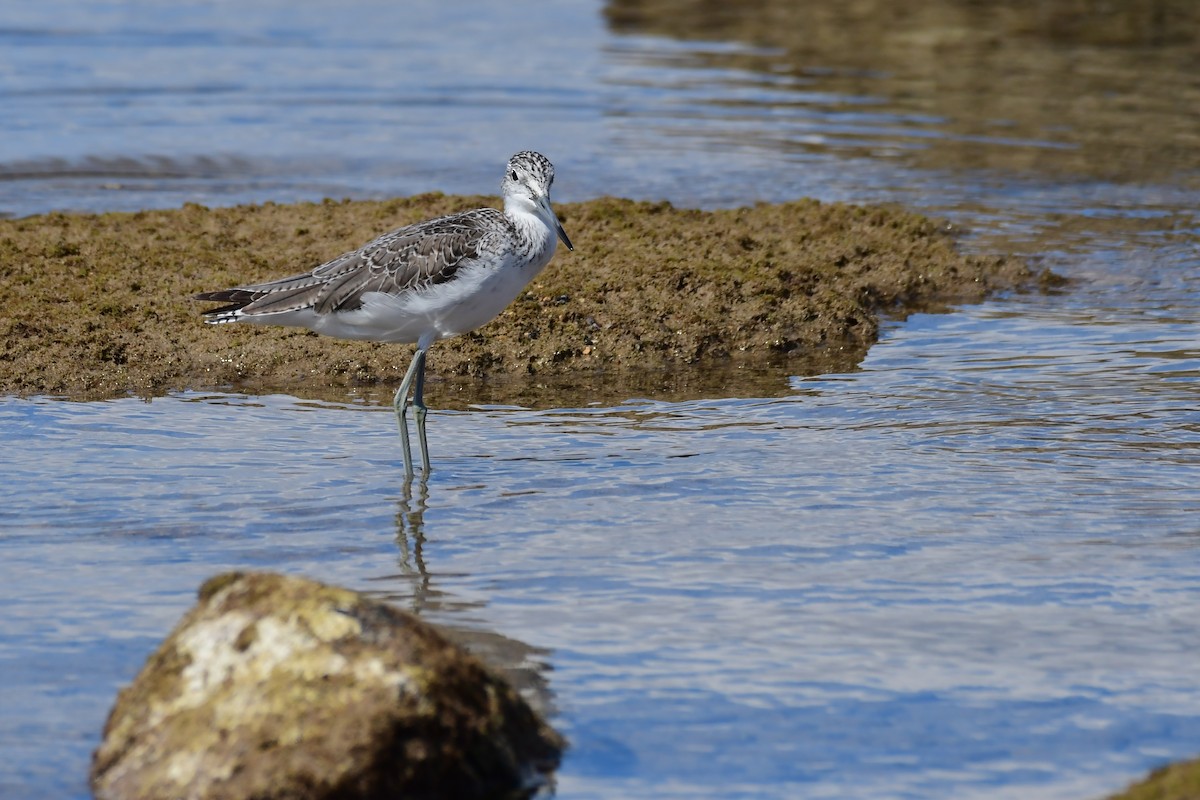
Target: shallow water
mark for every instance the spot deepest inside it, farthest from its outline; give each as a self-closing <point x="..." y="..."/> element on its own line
<point x="969" y="568"/>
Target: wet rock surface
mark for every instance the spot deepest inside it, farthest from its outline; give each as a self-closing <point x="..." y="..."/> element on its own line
<point x="281" y="687"/>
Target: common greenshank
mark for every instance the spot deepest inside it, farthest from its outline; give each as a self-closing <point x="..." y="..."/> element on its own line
<point x="420" y="283"/>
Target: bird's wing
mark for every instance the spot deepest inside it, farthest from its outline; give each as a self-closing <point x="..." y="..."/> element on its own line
<point x="407" y="259"/>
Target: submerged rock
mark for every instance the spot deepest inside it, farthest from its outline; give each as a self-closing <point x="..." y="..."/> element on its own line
<point x="281" y="687"/>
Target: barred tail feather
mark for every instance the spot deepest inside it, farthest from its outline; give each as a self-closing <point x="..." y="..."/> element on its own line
<point x="237" y="299"/>
<point x="219" y="316"/>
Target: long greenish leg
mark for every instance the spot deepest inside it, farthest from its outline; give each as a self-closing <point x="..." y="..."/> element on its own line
<point x="400" y="403"/>
<point x="419" y="412"/>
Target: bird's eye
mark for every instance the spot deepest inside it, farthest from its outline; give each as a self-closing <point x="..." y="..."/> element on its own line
<point x="513" y="175"/>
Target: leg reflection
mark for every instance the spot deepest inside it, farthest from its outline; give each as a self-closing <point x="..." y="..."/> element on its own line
<point x="410" y="537"/>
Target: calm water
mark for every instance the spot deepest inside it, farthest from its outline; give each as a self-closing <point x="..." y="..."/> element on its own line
<point x="969" y="569"/>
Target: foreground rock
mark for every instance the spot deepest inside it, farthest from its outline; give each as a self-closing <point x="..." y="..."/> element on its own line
<point x="98" y="305"/>
<point x="279" y="687"/>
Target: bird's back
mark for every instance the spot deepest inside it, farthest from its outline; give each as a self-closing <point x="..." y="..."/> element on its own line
<point x="347" y="296"/>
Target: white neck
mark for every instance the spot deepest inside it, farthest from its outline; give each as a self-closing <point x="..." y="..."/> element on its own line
<point x="538" y="239"/>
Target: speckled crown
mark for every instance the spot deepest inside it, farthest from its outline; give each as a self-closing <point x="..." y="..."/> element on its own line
<point x="531" y="163"/>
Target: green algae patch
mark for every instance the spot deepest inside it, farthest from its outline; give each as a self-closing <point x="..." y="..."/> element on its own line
<point x="1180" y="781"/>
<point x="281" y="687"/>
<point x="100" y="305"/>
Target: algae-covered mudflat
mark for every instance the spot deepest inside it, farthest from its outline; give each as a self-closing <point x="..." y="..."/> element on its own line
<point x="100" y="305"/>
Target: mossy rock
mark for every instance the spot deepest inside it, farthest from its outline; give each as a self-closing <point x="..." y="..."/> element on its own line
<point x="1173" y="782"/>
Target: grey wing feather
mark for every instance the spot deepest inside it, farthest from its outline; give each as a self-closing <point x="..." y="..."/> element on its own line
<point x="406" y="259"/>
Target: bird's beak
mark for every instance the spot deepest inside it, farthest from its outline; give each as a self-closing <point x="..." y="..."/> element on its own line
<point x="544" y="202"/>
